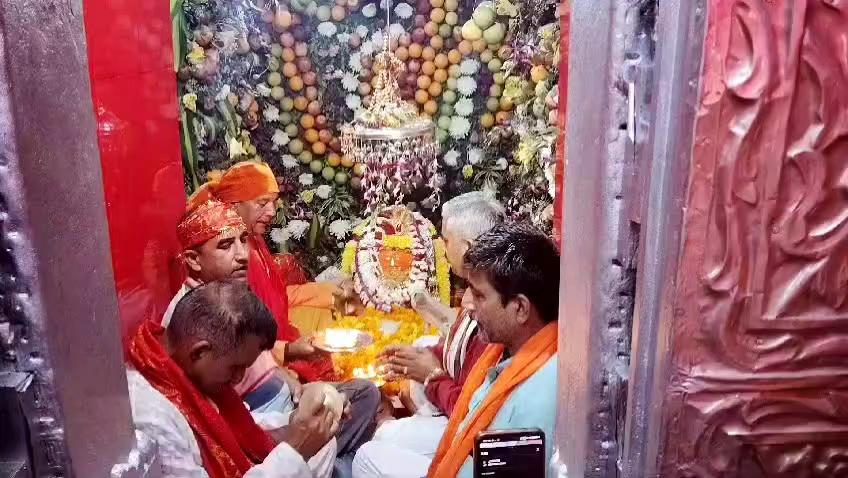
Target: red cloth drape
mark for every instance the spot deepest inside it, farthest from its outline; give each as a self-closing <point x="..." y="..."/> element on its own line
<point x="559" y="174"/>
<point x="230" y="441"/>
<point x="268" y="282"/>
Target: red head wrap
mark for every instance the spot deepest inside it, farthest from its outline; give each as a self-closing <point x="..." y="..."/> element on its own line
<point x="208" y="220"/>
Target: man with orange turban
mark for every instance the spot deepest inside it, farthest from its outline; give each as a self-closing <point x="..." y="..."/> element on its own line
<point x="252" y="189"/>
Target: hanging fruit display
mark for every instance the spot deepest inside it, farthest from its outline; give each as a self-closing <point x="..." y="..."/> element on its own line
<point x="274" y="80"/>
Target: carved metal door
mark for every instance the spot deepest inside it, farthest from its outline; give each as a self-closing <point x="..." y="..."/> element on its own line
<point x="758" y="352"/>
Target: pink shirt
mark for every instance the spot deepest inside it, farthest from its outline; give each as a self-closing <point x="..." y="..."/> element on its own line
<point x="262" y="369"/>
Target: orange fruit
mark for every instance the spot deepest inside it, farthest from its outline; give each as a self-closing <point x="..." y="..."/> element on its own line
<point x="479" y="45"/>
<point x="465" y="47"/>
<point x="307" y="121"/>
<point x="314" y="108"/>
<point x="424" y="82"/>
<point x="435" y="89"/>
<point x="421" y="97"/>
<point x="333" y="159"/>
<point x="289" y="70"/>
<point x="430" y="107"/>
<point x="288" y="55"/>
<point x="454" y="57"/>
<point x="311" y="135"/>
<point x="312" y="93"/>
<point x="428" y="53"/>
<point x="402" y="53"/>
<point x="441" y="60"/>
<point x="415" y="50"/>
<point x="431" y="29"/>
<point x="437" y="15"/>
<point x="428" y="68"/>
<point x="347" y="162"/>
<point x="300" y="103"/>
<point x="325" y="136"/>
<point x="437" y="3"/>
<point x="437" y="42"/>
<point x="502" y="117"/>
<point x="296" y="83"/>
<point x="319" y="148"/>
<point x="301" y="49"/>
<point x="440" y="75"/>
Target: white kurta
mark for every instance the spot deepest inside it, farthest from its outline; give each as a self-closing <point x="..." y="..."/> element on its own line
<point x="158" y="418"/>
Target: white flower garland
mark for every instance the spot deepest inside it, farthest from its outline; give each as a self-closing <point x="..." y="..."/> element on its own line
<point x="374" y="291"/>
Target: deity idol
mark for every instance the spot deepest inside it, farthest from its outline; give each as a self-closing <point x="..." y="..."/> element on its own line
<point x="394" y="255"/>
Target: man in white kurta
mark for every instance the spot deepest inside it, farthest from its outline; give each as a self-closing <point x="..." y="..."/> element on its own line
<point x="179" y="453"/>
<point x="180" y="384"/>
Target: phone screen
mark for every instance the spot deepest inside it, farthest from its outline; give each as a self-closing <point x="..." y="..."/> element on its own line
<point x="510" y="454"/>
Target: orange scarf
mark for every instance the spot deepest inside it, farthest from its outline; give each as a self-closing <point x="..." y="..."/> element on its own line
<point x="456" y="446"/>
<point x="230" y="441"/>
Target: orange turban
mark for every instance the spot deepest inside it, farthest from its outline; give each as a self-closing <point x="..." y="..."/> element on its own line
<point x="208" y="220"/>
<point x="242" y="182"/>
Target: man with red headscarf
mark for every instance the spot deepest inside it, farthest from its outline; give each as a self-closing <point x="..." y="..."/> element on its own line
<point x="252" y="189"/>
<point x="214" y="241"/>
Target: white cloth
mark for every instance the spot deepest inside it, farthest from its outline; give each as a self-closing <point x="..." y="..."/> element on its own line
<point x="379" y="459"/>
<point x="169" y="312"/>
<point x="400" y="448"/>
<point x="157" y="417"/>
<point x="423" y="406"/>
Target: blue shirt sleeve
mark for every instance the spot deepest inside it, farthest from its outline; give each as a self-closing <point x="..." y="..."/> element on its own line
<point x="532" y="405"/>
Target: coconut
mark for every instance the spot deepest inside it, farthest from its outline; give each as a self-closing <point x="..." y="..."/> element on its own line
<point x="471" y="32"/>
<point x="483" y="16"/>
<point x="495" y="34"/>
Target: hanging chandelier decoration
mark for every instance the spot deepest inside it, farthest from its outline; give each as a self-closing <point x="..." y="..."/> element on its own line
<point x="395" y="143"/>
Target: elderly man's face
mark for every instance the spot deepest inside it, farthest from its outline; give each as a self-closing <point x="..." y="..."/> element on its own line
<point x="455" y="247"/>
<point x="258" y="213"/>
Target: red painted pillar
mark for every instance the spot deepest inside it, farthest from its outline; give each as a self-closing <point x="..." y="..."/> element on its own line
<point x="559" y="172"/>
<point x="134" y="92"/>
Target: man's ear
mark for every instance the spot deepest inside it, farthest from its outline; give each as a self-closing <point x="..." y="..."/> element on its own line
<point x="522" y="308"/>
<point x="190" y="257"/>
<point x="199" y="349"/>
<point x="465" y="244"/>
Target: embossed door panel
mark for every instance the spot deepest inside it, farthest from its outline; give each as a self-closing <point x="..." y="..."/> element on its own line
<point x="758" y="383"/>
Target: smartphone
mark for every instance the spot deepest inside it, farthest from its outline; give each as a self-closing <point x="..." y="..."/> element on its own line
<point x="516" y="453"/>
